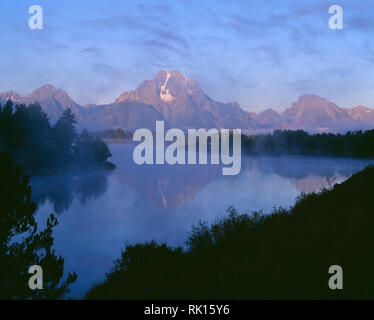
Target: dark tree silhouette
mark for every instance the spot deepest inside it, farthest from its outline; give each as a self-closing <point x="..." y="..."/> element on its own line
<point x="22" y="244"/>
<point x="113" y="134"/>
<point x="65" y="133"/>
<point x="28" y="137"/>
<point x="88" y="149"/>
<point x="5" y="125"/>
<point x="60" y="190"/>
<point x="352" y="144"/>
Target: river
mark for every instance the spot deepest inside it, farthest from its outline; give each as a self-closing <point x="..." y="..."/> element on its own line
<point x="99" y="212"/>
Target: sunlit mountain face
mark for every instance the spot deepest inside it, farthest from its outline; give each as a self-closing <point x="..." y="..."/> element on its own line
<point x="184" y="105"/>
<point x="180" y="102"/>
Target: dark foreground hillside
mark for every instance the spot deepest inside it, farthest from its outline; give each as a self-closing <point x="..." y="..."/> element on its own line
<point x="283" y="255"/>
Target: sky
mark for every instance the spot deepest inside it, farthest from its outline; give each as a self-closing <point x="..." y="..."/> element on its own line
<point x="260" y="53"/>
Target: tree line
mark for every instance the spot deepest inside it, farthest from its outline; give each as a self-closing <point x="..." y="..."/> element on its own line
<point x="113" y="134"/>
<point x="37" y="146"/>
<point x="351" y="144"/>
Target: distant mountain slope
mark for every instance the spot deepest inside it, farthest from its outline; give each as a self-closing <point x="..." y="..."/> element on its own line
<point x="53" y="101"/>
<point x="314" y="112"/>
<point x="178" y="100"/>
<point x="361" y="113"/>
<point x="9" y="95"/>
<point x="268" y="118"/>
<point x="128" y="115"/>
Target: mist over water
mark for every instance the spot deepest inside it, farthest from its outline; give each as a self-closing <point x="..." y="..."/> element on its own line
<point x="99" y="211"/>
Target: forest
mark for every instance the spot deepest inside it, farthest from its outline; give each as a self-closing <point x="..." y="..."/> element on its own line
<point x="113" y="134"/>
<point x="38" y="147"/>
<point x="357" y="144"/>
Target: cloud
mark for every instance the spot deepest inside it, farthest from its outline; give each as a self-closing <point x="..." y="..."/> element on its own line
<point x="94" y="50"/>
<point x="360" y="23"/>
<point x="153" y="32"/>
<point x="105" y="69"/>
<point x="305" y="8"/>
<point x="237" y="49"/>
<point x="246" y="26"/>
<point x="269" y="53"/>
<point x="302" y="85"/>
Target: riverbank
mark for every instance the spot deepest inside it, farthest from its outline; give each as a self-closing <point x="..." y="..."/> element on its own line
<point x="284" y="255"/>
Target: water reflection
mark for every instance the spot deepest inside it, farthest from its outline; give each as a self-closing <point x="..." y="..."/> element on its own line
<point x="100" y="211"/>
<point x="307" y="174"/>
<point x="60" y="190"/>
<point x="168" y="186"/>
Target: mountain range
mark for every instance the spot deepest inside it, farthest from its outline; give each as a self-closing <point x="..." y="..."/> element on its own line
<point x="181" y="103"/>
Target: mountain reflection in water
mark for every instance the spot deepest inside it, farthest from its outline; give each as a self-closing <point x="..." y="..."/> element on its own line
<point x="99" y="211"/>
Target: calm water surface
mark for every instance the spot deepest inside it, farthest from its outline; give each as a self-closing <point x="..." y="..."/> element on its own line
<point x="100" y="211"/>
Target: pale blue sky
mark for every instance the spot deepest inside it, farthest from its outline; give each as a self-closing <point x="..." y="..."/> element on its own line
<point x="261" y="53"/>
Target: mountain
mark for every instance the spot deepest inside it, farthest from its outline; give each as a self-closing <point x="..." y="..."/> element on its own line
<point x="267" y="118"/>
<point x="184" y="105"/>
<point x="181" y="103"/>
<point x="9" y="95"/>
<point x="53" y="101"/>
<point x="169" y="96"/>
<point x="361" y="113"/>
<point x="129" y="115"/>
<point x="315" y="113"/>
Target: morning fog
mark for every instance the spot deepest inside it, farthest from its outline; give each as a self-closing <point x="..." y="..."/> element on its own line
<point x="220" y="150"/>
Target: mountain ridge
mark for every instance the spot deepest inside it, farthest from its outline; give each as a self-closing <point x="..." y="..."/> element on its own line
<point x="53" y="101"/>
<point x="181" y="103"/>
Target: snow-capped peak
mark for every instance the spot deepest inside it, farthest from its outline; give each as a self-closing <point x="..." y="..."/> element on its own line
<point x="165" y="94"/>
